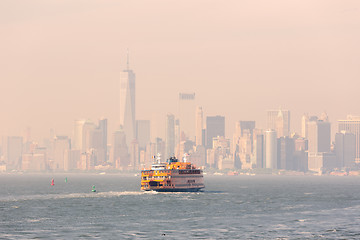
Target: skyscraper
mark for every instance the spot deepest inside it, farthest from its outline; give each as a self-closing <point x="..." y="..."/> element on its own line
<point x="103" y="129"/>
<point x="134" y="155"/>
<point x="87" y="136"/>
<point x="72" y="159"/>
<point x="215" y="126"/>
<point x="319" y="138"/>
<point x="279" y="120"/>
<point x="127" y="103"/>
<point x="95" y="143"/>
<point x="199" y="126"/>
<point x="345" y="149"/>
<point x="187" y="110"/>
<point x="285" y="155"/>
<point x="244" y="150"/>
<point x="62" y="144"/>
<point x="247" y="125"/>
<point x="120" y="153"/>
<point x="352" y="124"/>
<point x="14" y="150"/>
<point x="78" y="134"/>
<point x="223" y="158"/>
<point x="159" y="146"/>
<point x="177" y="137"/>
<point x="304" y="121"/>
<point x="82" y="132"/>
<point x="270" y="149"/>
<point x="170" y="136"/>
<point x="243" y="129"/>
<point x="259" y="150"/>
<point x="143" y="133"/>
<point x="300" y="160"/>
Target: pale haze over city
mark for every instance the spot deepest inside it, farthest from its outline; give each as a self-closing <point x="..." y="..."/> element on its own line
<point x="61" y="60"/>
<point x="164" y="119"/>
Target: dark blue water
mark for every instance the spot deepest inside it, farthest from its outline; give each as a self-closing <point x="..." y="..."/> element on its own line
<point x="231" y="207"/>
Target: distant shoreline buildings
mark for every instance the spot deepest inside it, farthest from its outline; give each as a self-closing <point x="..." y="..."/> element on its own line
<point x="189" y="131"/>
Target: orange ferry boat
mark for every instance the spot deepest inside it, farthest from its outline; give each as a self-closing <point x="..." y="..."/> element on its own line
<point x="172" y="176"/>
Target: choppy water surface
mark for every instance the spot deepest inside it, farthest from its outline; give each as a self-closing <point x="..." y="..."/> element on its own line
<point x="242" y="207"/>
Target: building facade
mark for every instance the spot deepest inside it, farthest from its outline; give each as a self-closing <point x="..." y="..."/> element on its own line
<point x="127" y="104"/>
<point x="170" y="136"/>
<point x="352" y="125"/>
<point x="215" y="126"/>
<point x="143" y="133"/>
<point x="199" y="127"/>
<point x="270" y="149"/>
<point x="279" y="120"/>
<point x="187" y="114"/>
<point x="345" y="148"/>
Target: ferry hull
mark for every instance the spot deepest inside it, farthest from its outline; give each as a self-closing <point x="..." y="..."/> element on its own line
<point x="176" y="190"/>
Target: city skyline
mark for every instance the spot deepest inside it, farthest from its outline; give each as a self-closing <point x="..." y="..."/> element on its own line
<point x="127" y="101"/>
<point x="241" y="115"/>
<point x="28" y="131"/>
<point x="251" y="147"/>
<point x="60" y="64"/>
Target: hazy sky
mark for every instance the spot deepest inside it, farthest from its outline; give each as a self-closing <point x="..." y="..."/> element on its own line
<point x="60" y="59"/>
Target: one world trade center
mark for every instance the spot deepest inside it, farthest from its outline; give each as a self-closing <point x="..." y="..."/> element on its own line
<point x="127" y="103"/>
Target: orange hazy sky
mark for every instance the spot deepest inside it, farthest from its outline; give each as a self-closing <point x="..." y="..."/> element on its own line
<point x="60" y="59"/>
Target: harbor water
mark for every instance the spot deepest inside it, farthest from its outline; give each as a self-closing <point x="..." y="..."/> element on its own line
<point x="230" y="207"/>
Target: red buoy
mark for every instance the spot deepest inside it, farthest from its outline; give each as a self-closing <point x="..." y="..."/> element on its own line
<point x="52" y="182"/>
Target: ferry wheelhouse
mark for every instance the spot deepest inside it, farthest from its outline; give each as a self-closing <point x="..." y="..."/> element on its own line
<point x="172" y="176"/>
